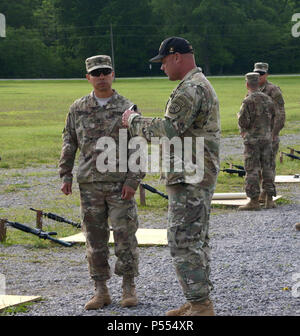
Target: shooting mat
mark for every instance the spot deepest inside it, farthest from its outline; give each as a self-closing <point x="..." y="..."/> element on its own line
<point x="236" y="202"/>
<point x="229" y="196"/>
<point x="145" y="237"/>
<point x="7" y="301"/>
<point x="287" y="178"/>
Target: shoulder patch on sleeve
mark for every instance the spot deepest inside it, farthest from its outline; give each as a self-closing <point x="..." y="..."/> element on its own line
<point x="178" y="104"/>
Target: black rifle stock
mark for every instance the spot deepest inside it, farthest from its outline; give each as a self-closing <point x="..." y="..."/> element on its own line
<point x="291" y="156"/>
<point x="37" y="232"/>
<point x="240" y="173"/>
<point x="236" y="166"/>
<point x="153" y="190"/>
<point x="57" y="218"/>
<point x="297" y="151"/>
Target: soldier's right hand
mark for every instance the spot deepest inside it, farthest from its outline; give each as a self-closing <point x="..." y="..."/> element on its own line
<point x="66" y="188"/>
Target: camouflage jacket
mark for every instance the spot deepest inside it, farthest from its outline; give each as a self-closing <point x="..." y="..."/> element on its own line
<point x="257" y="118"/>
<point x="86" y="123"/>
<point x="274" y="92"/>
<point x="192" y="111"/>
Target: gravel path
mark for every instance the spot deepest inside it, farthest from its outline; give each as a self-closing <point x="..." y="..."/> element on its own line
<point x="255" y="258"/>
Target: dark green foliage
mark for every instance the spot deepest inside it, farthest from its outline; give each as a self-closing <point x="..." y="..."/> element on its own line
<point x="52" y="38"/>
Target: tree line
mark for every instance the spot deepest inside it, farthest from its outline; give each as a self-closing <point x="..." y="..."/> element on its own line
<point x="52" y="38"/>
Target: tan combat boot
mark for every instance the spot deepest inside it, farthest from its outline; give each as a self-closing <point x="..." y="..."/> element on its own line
<point x="269" y="204"/>
<point x="205" y="308"/>
<point x="101" y="297"/>
<point x="129" y="298"/>
<point x="179" y="311"/>
<point x="262" y="197"/>
<point x="253" y="204"/>
<point x="297" y="226"/>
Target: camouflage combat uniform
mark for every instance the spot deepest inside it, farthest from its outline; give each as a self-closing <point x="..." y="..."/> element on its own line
<point x="192" y="111"/>
<point x="274" y="92"/>
<point x="257" y="121"/>
<point x="100" y="193"/>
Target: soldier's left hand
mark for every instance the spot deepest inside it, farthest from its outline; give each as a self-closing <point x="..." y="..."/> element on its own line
<point x="126" y="116"/>
<point x="127" y="192"/>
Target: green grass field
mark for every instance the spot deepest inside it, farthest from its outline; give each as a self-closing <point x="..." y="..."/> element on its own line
<point x="32" y="113"/>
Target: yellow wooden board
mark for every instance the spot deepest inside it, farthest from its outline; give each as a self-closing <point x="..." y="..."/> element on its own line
<point x="145" y="237"/>
<point x="237" y="202"/>
<point x="287" y="178"/>
<point x="7" y="301"/>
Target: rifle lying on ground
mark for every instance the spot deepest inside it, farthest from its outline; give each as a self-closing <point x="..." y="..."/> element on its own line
<point x="57" y="218"/>
<point x="297" y="151"/>
<point x="240" y="173"/>
<point x="41" y="234"/>
<point x="153" y="190"/>
<point x="291" y="156"/>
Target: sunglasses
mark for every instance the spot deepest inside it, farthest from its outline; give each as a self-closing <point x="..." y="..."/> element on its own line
<point x="261" y="73"/>
<point x="98" y="72"/>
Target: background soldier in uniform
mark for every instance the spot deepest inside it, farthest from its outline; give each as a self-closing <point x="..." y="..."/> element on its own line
<point x="192" y="111"/>
<point x="102" y="194"/>
<point x="274" y="92"/>
<point x="257" y="122"/>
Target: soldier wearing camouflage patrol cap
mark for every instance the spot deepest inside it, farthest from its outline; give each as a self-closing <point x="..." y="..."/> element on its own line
<point x="263" y="67"/>
<point x="98" y="62"/>
<point x="192" y="112"/>
<point x="275" y="93"/>
<point x="257" y="122"/>
<point x="104" y="194"/>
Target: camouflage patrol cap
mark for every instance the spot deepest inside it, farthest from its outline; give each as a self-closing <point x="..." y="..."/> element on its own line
<point x="97" y="62"/>
<point x="264" y="67"/>
<point x="171" y="46"/>
<point x="252" y="78"/>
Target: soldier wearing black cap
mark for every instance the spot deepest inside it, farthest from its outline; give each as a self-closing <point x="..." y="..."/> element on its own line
<point x="191" y="112"/>
<point x="171" y="46"/>
<point x="180" y="49"/>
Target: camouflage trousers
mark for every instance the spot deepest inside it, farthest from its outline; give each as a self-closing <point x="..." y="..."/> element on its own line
<point x="101" y="202"/>
<point x="259" y="165"/>
<point x="275" y="148"/>
<point x="188" y="224"/>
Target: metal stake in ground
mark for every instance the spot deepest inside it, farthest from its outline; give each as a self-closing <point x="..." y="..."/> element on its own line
<point x="2" y="230"/>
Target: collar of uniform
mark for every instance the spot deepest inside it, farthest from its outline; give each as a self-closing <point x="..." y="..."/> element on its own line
<point x="93" y="101"/>
<point x="190" y="74"/>
<point x="264" y="86"/>
<point x="112" y="102"/>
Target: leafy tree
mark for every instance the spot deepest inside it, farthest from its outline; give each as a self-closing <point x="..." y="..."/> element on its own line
<point x="24" y="55"/>
<point x="53" y="37"/>
<point x="19" y="13"/>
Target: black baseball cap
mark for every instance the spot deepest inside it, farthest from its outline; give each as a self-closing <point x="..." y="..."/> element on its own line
<point x="172" y="45"/>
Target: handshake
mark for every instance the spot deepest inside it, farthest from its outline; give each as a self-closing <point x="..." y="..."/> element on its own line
<point x="132" y="109"/>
